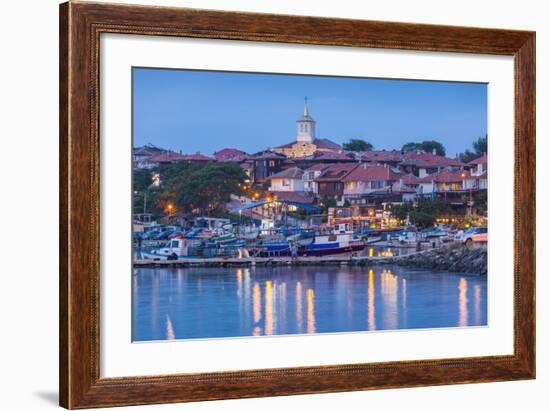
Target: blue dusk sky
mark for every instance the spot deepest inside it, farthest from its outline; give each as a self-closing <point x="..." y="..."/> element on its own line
<point x="205" y="111"/>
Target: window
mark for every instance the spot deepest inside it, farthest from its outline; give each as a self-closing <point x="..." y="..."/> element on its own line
<point x="271" y="163"/>
<point x="377" y="184"/>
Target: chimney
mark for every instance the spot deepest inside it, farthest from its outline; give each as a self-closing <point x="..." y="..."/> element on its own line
<point x="434" y="152"/>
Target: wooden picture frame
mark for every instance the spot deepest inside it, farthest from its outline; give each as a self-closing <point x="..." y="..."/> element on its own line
<point x="80" y="27"/>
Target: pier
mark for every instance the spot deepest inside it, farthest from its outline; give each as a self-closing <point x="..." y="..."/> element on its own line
<point x="451" y="257"/>
<point x="347" y="259"/>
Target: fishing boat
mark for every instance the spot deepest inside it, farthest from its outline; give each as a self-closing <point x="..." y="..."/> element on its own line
<point x="300" y="237"/>
<point x="224" y="237"/>
<point x="250" y="233"/>
<point x="322" y="245"/>
<point x="176" y="248"/>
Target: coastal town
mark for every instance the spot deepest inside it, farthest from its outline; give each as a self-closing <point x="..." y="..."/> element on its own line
<point x="308" y="198"/>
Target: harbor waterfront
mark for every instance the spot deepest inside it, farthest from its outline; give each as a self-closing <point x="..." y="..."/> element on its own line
<point x="369" y="226"/>
<point x="214" y="302"/>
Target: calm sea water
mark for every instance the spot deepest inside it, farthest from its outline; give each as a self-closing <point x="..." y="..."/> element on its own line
<point x="229" y="302"/>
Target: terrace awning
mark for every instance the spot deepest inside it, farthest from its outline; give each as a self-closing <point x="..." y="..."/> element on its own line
<point x="249" y="206"/>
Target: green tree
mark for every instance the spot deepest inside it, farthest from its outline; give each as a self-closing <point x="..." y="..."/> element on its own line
<point x="467" y="156"/>
<point x="401" y="211"/>
<point x="426" y="146"/>
<point x="357" y="145"/>
<point x="480" y="148"/>
<point x="422" y="219"/>
<point x="203" y="187"/>
<point x="170" y="171"/>
<point x="146" y="201"/>
<point x="422" y="214"/>
<point x="327" y="202"/>
<point x="480" y="145"/>
<point x="411" y="147"/>
<point x="142" y="180"/>
<point x="429" y="146"/>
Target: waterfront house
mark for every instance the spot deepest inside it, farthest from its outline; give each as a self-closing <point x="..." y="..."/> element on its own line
<point x="477" y="178"/>
<point x="446" y="181"/>
<point x="369" y="181"/>
<point x="309" y="176"/>
<point x="265" y="164"/>
<point x="418" y="163"/>
<point x="421" y="164"/>
<point x="142" y="154"/>
<point x="330" y="182"/>
<point x="306" y="143"/>
<point x="409" y="181"/>
<point x="290" y="179"/>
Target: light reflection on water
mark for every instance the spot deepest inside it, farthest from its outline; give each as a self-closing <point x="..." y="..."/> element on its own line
<point x="229" y="302"/>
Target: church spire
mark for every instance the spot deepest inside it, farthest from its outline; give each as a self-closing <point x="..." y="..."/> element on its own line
<point x="306" y="126"/>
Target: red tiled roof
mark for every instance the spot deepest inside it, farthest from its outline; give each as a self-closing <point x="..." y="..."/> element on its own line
<point x="382" y="155"/>
<point x="318" y="167"/>
<point x="197" y="157"/>
<point x="166" y="157"/>
<point x="230" y="154"/>
<point x="409" y="179"/>
<point x="336" y="172"/>
<point x="410" y="158"/>
<point x="331" y="155"/>
<point x="445" y="176"/>
<point x="319" y="142"/>
<point x="287" y="145"/>
<point x="479" y="160"/>
<point x="292" y="172"/>
<point x="326" y="143"/>
<point x="268" y="155"/>
<point x="429" y="160"/>
<point x="371" y="173"/>
<point x="297" y="196"/>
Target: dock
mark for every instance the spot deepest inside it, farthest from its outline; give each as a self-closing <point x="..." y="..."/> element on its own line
<point x="347" y="259"/>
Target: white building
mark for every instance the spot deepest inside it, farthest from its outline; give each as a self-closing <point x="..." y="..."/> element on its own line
<point x="477" y="180"/>
<point x="310" y="185"/>
<point x="290" y="179"/>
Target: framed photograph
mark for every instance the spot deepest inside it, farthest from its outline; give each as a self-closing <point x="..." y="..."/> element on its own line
<point x="260" y="205"/>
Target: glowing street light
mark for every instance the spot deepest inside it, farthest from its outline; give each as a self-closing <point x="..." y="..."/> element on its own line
<point x="170" y="208"/>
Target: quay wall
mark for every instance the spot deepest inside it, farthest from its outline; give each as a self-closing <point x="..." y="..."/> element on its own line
<point x="453" y="257"/>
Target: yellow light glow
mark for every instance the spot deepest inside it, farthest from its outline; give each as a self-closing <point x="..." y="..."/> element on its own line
<point x="310" y="311"/>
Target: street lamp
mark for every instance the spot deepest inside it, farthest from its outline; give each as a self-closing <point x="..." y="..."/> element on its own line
<point x="170" y="208"/>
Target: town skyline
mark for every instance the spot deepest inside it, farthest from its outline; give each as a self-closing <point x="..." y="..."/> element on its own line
<point x="213" y="107"/>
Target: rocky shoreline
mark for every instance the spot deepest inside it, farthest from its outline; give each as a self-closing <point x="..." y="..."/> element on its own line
<point x="454" y="257"/>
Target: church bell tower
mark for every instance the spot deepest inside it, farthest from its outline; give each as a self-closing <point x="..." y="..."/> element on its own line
<point x="305" y="127"/>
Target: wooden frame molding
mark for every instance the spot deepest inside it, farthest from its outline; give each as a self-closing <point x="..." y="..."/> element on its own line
<point x="81" y="24"/>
